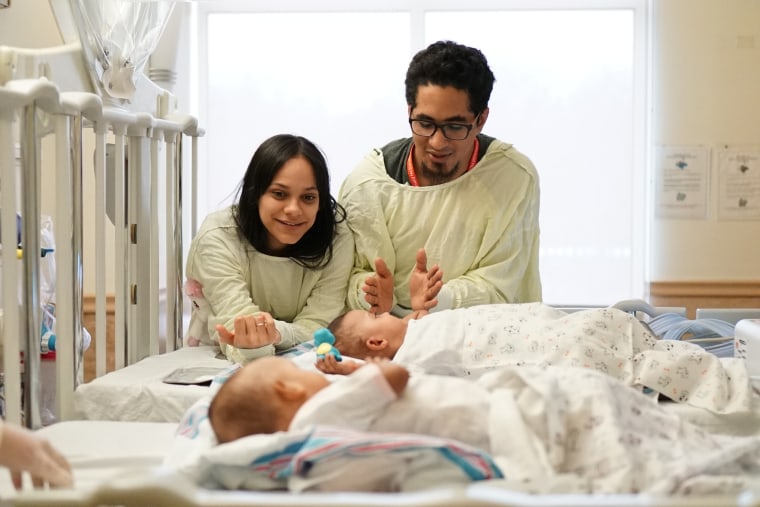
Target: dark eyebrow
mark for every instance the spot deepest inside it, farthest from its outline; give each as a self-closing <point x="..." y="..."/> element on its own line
<point x="455" y="119"/>
<point x="285" y="187"/>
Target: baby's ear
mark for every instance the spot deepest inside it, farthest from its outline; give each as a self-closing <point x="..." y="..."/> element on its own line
<point x="288" y="390"/>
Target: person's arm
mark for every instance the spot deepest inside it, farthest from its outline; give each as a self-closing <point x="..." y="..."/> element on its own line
<point x="364" y="206"/>
<point x="21" y="450"/>
<point x="396" y="375"/>
<point x="325" y="301"/>
<point x="217" y="261"/>
<point x="497" y="256"/>
<point x="220" y="263"/>
<point x="509" y="272"/>
<point x="327" y="298"/>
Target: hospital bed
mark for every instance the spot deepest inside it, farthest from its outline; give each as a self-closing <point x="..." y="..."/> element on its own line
<point x="53" y="94"/>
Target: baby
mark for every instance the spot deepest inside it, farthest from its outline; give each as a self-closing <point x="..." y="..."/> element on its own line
<point x="266" y="395"/>
<point x="538" y="424"/>
<point x="469" y="342"/>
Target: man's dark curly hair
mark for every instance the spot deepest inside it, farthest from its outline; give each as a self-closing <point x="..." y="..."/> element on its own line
<point x="446" y="63"/>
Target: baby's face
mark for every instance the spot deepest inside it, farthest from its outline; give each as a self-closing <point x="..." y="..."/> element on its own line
<point x="369" y="325"/>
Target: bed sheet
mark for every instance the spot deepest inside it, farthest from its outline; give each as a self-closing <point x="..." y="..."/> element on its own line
<point x="138" y="393"/>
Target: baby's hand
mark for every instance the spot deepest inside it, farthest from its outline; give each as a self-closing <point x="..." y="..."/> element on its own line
<point x="396" y="375"/>
<point x="329" y="364"/>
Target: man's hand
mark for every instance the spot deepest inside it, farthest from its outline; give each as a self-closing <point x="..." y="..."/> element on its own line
<point x="21" y="450"/>
<point x="329" y="364"/>
<point x="378" y="288"/>
<point x="251" y="332"/>
<point x="424" y="285"/>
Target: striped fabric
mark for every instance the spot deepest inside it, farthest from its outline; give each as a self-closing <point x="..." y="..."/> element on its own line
<point x="325" y="443"/>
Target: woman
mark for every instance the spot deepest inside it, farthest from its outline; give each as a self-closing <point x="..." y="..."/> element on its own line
<point x="268" y="271"/>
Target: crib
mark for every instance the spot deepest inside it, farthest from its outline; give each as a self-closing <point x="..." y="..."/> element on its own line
<point x="141" y="143"/>
<point x="51" y="94"/>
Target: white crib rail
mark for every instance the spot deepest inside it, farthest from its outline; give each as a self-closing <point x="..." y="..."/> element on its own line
<point x="22" y="319"/>
<point x="138" y="138"/>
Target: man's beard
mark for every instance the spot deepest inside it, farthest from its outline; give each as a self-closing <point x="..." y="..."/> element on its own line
<point x="439" y="176"/>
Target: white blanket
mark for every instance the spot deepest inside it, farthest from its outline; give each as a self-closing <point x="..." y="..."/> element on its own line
<point x="577" y="430"/>
<point x="469" y="342"/>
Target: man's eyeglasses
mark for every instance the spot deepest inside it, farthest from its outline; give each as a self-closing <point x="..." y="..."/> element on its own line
<point x="453" y="131"/>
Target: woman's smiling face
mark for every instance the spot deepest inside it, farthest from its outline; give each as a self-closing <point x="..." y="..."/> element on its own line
<point x="288" y="208"/>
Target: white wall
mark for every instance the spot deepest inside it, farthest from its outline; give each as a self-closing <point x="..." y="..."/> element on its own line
<point x="31" y="24"/>
<point x="706" y="91"/>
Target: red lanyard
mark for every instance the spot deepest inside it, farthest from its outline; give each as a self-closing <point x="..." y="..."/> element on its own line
<point x="410" y="163"/>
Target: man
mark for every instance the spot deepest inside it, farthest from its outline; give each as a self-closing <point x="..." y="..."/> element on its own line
<point x="469" y="200"/>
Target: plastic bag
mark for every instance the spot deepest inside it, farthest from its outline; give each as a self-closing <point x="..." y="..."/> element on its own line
<point x="117" y="39"/>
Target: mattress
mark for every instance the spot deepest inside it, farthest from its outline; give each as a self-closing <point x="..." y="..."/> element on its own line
<point x="138" y="392"/>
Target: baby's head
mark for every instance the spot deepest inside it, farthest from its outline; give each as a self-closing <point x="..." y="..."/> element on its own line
<point x="261" y="397"/>
<point x="361" y="334"/>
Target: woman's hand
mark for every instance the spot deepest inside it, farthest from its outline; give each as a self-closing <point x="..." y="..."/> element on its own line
<point x="251" y="332"/>
<point x="22" y="450"/>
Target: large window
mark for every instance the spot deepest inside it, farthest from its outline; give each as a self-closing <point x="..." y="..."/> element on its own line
<point x="570" y="94"/>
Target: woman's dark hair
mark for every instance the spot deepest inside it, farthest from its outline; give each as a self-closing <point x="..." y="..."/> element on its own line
<point x="446" y="63"/>
<point x="314" y="249"/>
